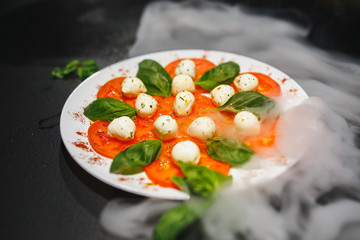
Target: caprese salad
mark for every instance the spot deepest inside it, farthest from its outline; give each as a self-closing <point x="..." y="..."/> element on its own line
<point x="189" y="118"/>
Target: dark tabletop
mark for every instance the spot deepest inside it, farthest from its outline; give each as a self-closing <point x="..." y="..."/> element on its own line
<point x="44" y="193"/>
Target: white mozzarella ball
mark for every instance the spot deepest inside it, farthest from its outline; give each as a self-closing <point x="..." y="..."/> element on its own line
<point x="184" y="101"/>
<point x="122" y="128"/>
<point x="165" y="127"/>
<point x="186" y="66"/>
<point x="186" y="151"/>
<point x="246" y="82"/>
<point x="145" y="105"/>
<point x="132" y="86"/>
<point x="247" y="123"/>
<point x="182" y="83"/>
<point x="202" y="128"/>
<point x="221" y="94"/>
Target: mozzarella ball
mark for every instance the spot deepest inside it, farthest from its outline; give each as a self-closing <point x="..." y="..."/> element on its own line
<point x="202" y="128"/>
<point x="186" y="66"/>
<point x="182" y="83"/>
<point x="221" y="94"/>
<point x="145" y="105"/>
<point x="246" y="82"/>
<point x="186" y="151"/>
<point x="132" y="86"/>
<point x="165" y="127"/>
<point x="184" y="101"/>
<point x="246" y="123"/>
<point x="122" y="128"/>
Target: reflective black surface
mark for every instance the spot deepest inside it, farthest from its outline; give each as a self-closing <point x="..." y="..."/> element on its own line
<point x="44" y="193"/>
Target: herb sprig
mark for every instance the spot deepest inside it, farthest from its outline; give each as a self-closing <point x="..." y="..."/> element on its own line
<point x="84" y="69"/>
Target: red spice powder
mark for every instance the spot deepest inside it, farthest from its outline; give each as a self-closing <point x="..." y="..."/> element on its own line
<point x="95" y="159"/>
<point x="284" y="80"/>
<point x="83" y="134"/>
<point x="83" y="145"/>
<point x="78" y="116"/>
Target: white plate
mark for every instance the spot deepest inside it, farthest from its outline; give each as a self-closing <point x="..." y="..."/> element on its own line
<point x="74" y="125"/>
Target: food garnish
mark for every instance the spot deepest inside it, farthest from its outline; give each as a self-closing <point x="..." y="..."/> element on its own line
<point x="222" y="74"/>
<point x="231" y="151"/>
<point x="156" y="79"/>
<point x="84" y="69"/>
<point x="108" y="109"/>
<point x="135" y="157"/>
<point x="250" y="101"/>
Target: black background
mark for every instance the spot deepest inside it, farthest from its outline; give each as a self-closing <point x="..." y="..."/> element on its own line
<point x="44" y="193"/>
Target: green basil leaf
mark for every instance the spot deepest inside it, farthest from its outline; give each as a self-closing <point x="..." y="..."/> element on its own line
<point x="222" y="74"/>
<point x="201" y="181"/>
<point x="230" y="151"/>
<point x="84" y="69"/>
<point x="71" y="66"/>
<point x="155" y="77"/>
<point x="88" y="67"/>
<point x="133" y="159"/>
<point x="250" y="101"/>
<point x="181" y="183"/>
<point x="57" y="72"/>
<point x="108" y="109"/>
<point x="173" y="221"/>
<point x="177" y="219"/>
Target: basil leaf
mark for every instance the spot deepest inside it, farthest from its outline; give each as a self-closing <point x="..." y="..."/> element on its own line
<point x="71" y="66"/>
<point x="87" y="68"/>
<point x="200" y="181"/>
<point x="135" y="157"/>
<point x="155" y="77"/>
<point x="173" y="221"/>
<point x="230" y="151"/>
<point x="181" y="183"/>
<point x="250" y="101"/>
<point x="177" y="219"/>
<point x="84" y="69"/>
<point x="222" y="74"/>
<point x="57" y="72"/>
<point x="108" y="109"/>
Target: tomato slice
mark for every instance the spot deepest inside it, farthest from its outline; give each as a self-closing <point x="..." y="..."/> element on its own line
<point x="104" y="144"/>
<point x="202" y="66"/>
<point x="267" y="86"/>
<point x="99" y="140"/>
<point x="263" y="144"/>
<point x="111" y="89"/>
<point x="161" y="170"/>
<point x="213" y="164"/>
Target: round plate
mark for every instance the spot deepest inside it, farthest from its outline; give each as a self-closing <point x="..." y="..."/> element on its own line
<point x="74" y="125"/>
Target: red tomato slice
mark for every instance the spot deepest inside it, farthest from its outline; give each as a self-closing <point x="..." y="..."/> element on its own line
<point x="111" y="89"/>
<point x="161" y="170"/>
<point x="99" y="140"/>
<point x="213" y="164"/>
<point x="202" y="66"/>
<point x="267" y="86"/>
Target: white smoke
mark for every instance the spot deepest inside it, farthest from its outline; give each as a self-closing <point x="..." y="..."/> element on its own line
<point x="219" y="26"/>
<point x="133" y="220"/>
<point x="291" y="206"/>
<point x="327" y="158"/>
